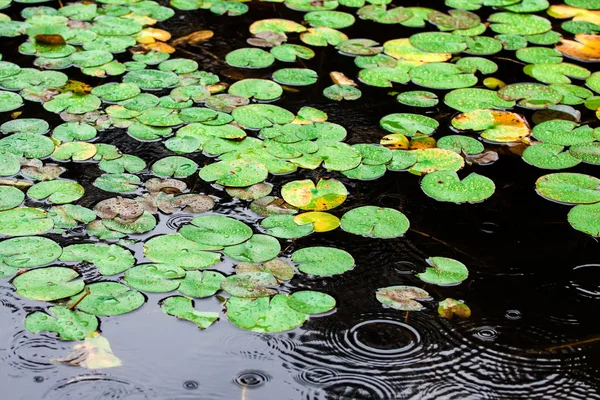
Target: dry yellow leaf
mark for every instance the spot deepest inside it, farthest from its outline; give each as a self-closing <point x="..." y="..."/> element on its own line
<point x="159" y="46"/>
<point x="340" y="79"/>
<point x="193" y="38"/>
<point x="151" y="35"/>
<point x="583" y="48"/>
<point x="562" y="11"/>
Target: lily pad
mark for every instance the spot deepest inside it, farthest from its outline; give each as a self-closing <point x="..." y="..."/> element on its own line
<point x="569" y="188"/>
<point x="183" y="308"/>
<point x="24" y="221"/>
<point x="585" y="217"/>
<point x="327" y="194"/>
<point x="68" y="324"/>
<point x="201" y="284"/>
<point x="444" y="271"/>
<point x="409" y="124"/>
<point x="216" y="230"/>
<point x="29" y="251"/>
<point x="155" y="278"/>
<point x="264" y="314"/>
<point x="258" y="248"/>
<point x="403" y="298"/>
<point x="446" y="186"/>
<point x="176" y="250"/>
<point x="109" y="298"/>
<point x="250" y="285"/>
<point x="371" y="221"/>
<point x="109" y="259"/>
<point x="48" y="284"/>
<point x="323" y="261"/>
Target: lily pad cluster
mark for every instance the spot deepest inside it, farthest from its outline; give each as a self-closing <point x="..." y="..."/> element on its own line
<point x="233" y="137"/>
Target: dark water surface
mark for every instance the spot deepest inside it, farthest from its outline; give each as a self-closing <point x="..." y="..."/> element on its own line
<point x="534" y="285"/>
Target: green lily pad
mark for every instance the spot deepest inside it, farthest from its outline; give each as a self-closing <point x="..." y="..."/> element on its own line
<point x="585" y="217"/>
<point x="24" y="221"/>
<point x="29" y="125"/>
<point x="402" y="160"/>
<point x="48" y="284"/>
<point x="342" y="92"/>
<point x="250" y="285"/>
<point x="311" y="302"/>
<point x="258" y="116"/>
<point x="461" y="144"/>
<point x="323" y="261"/>
<point x="295" y="76"/>
<point x="175" y="166"/>
<point x="283" y="226"/>
<point x="56" y="192"/>
<point x="30" y="145"/>
<point x="235" y="173"/>
<point x="154" y="278"/>
<point x="442" y="76"/>
<point x="569" y="188"/>
<point x="201" y="284"/>
<point x="151" y="79"/>
<point x="114" y="92"/>
<point x="117" y="183"/>
<point x="444" y="272"/>
<point x="565" y="133"/>
<point x="258" y="248"/>
<point x="508" y="23"/>
<point x="371" y="221"/>
<point x="72" y="131"/>
<point x="330" y="19"/>
<point x="249" y="58"/>
<point x="418" y="98"/>
<point x="68" y="324"/>
<point x="549" y="156"/>
<point x="9" y="101"/>
<point x="290" y="52"/>
<point x="29" y="251"/>
<point x="531" y="95"/>
<point x="183" y="308"/>
<point x="109" y="259"/>
<point x="447" y="186"/>
<point x="69" y="215"/>
<point x="176" y="250"/>
<point x="259" y="89"/>
<point x="383" y="76"/>
<point x="470" y="99"/>
<point x="216" y="230"/>
<point x="322" y="36"/>
<point x="10" y="197"/>
<point x="262" y="315"/>
<point x="438" y="42"/>
<point x="409" y="124"/>
<point x="109" y="298"/>
<point x="588" y="153"/>
<point x="403" y="298"/>
<point x="126" y="163"/>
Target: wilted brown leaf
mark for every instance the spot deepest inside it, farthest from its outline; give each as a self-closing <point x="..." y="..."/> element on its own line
<point x="193" y="38"/>
<point x="485" y="158"/>
<point x="50" y="39"/>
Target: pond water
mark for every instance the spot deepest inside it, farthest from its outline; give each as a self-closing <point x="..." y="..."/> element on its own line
<point x="533" y="285"/>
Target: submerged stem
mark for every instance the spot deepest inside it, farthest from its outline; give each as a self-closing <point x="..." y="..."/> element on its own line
<point x="83" y="296"/>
